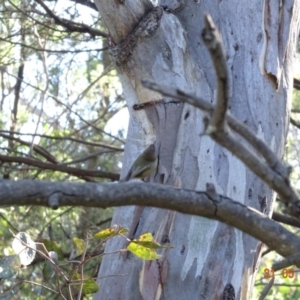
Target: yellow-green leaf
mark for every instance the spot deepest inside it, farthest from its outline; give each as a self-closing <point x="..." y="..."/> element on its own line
<point x="110" y="232"/>
<point x="150" y="245"/>
<point x="143" y="252"/>
<point x="79" y="244"/>
<point x="144" y="246"/>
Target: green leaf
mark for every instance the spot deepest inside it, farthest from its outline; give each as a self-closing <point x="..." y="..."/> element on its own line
<point x="89" y="286"/>
<point x="48" y="270"/>
<point x="52" y="246"/>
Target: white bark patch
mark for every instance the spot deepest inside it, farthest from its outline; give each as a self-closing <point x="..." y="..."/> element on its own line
<point x="206" y="164"/>
<point x="176" y="42"/>
<point x="201" y="243"/>
<point x="276" y="32"/>
<point x="238" y="264"/>
<point x="237" y="190"/>
<point x="198" y="243"/>
<point x="138" y="121"/>
<point x="261" y="135"/>
<point x="237" y="179"/>
<point x="158" y="292"/>
<point x="177" y="34"/>
<point x="260" y="132"/>
<point x="273" y="143"/>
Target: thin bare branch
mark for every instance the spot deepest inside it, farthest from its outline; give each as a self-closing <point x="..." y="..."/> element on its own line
<point x="86" y="3"/>
<point x="266" y="289"/>
<point x="288" y="261"/>
<point x="296" y="84"/>
<point x="72" y="26"/>
<point x="56" y="167"/>
<point x="52" y="50"/>
<point x="247" y="219"/>
<point x="64" y="138"/>
<point x="213" y="41"/>
<point x="51" y="220"/>
<point x="274" y="173"/>
<point x="90" y="123"/>
<point x="271" y="171"/>
<point x="294" y="122"/>
<point x="38" y="149"/>
<point x="277" y="182"/>
<point x="87" y="157"/>
<point x="286" y="219"/>
<point x="235" y="124"/>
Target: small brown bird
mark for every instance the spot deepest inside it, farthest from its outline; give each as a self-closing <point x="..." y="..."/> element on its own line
<point x="144" y="165"/>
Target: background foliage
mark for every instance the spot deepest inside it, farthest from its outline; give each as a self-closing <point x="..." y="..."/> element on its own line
<point x="59" y="92"/>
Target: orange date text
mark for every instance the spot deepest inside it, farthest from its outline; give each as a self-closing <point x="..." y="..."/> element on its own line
<point x="285" y="273"/>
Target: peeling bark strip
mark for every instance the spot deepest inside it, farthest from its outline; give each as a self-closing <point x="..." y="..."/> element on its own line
<point x="145" y="28"/>
<point x="173" y="6"/>
<point x="263" y="202"/>
<point x="145" y="105"/>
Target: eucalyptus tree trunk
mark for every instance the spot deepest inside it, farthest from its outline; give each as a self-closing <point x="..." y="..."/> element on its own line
<point x="259" y="40"/>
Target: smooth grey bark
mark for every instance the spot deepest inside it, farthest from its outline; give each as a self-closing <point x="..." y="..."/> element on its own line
<point x="259" y="40"/>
